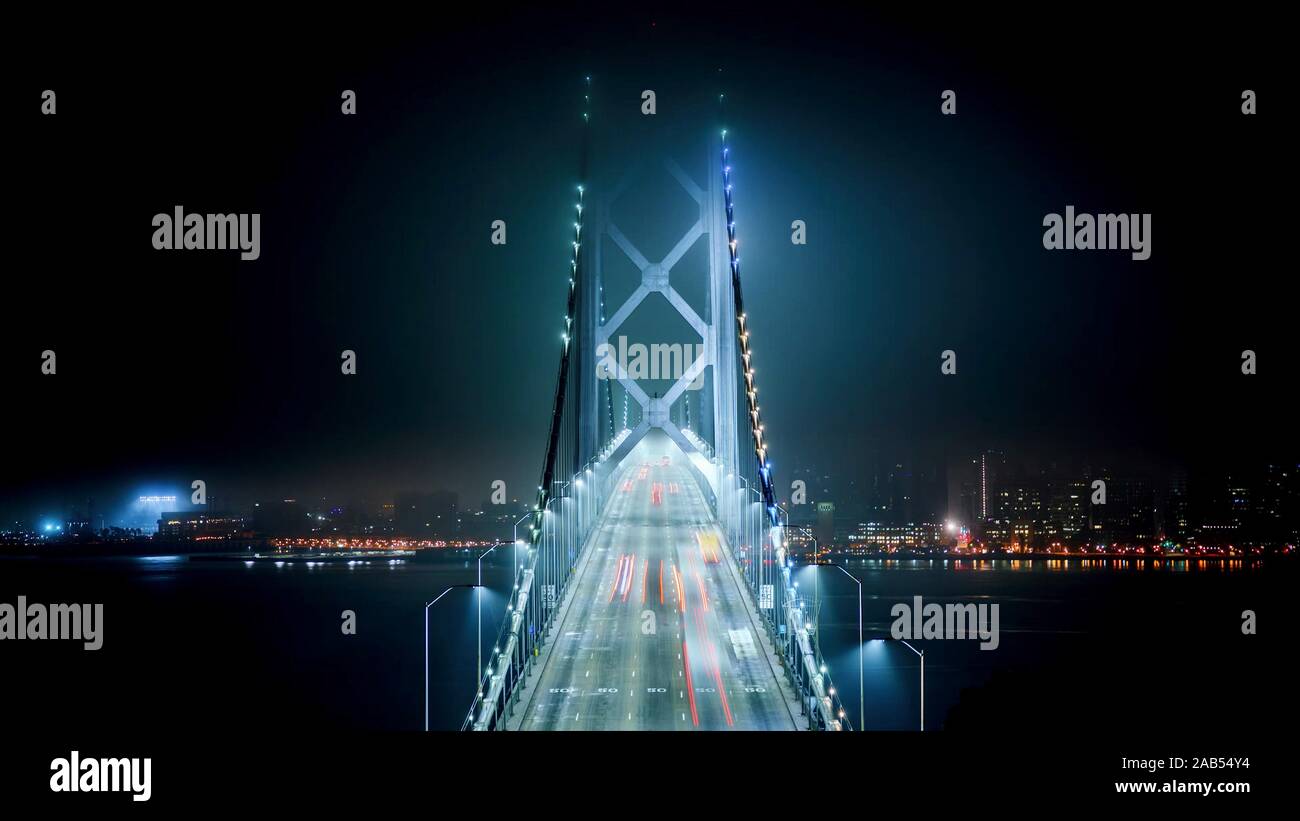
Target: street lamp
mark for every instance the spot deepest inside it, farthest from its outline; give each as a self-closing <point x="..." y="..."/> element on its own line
<point x="760" y="537"/>
<point x="920" y="653"/>
<point x="426" y="648"/>
<point x="516" y="538"/>
<point x="742" y="519"/>
<point x="479" y="596"/>
<point x="862" y="714"/>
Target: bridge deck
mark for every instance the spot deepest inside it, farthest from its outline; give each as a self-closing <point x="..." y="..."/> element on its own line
<point x="657" y="634"/>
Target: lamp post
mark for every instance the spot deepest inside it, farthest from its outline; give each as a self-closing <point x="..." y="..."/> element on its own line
<point x="759" y="540"/>
<point x="861" y="689"/>
<point x="743" y="520"/>
<point x="516" y="538"/>
<point x="426" y="648"/>
<point x="920" y="653"/>
<point x="762" y="537"/>
<point x="479" y="596"/>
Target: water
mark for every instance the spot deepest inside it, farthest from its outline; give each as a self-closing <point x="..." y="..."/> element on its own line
<point x="219" y="646"/>
<point x="1089" y="645"/>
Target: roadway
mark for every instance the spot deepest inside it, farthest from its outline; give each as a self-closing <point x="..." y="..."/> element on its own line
<point x="656" y="634"/>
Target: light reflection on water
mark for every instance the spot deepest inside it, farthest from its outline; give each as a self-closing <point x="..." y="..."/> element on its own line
<point x="1073" y="563"/>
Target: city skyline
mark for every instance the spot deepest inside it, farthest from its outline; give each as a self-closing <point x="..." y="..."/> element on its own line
<point x="998" y="498"/>
<point x="921" y="239"/>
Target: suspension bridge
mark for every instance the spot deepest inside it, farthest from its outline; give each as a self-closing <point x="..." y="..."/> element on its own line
<point x="652" y="588"/>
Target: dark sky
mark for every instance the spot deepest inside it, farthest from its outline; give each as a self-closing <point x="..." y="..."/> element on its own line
<point x="924" y="234"/>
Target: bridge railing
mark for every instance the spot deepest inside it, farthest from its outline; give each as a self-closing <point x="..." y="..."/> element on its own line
<point x="553" y="549"/>
<point x="758" y="536"/>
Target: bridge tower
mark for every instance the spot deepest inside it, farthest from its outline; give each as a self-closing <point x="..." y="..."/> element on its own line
<point x="654" y="311"/>
<point x="658" y="248"/>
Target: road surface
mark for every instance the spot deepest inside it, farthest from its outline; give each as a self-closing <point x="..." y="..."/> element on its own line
<point x="657" y="635"/>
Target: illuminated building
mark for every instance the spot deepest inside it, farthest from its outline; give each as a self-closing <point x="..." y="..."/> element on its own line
<point x="195" y="526"/>
<point x="891" y="538"/>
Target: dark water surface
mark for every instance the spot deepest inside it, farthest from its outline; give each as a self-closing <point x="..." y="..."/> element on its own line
<point x="1084" y="645"/>
<point x="221" y="647"/>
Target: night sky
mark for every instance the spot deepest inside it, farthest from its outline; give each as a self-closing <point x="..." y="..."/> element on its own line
<point x="924" y="234"/>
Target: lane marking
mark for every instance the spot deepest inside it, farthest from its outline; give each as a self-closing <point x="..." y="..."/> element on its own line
<point x="695" y="717"/>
